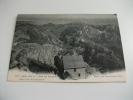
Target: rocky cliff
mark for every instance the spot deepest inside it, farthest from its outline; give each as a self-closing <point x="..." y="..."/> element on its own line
<point x="100" y="45"/>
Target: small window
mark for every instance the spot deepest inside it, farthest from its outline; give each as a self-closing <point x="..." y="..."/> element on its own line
<point x="74" y="69"/>
<point x="79" y="75"/>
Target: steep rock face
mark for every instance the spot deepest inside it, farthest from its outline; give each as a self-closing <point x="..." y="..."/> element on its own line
<point x="39" y="54"/>
<point x="55" y="29"/>
<point x="19" y="52"/>
<point x="30" y="33"/>
<point x="78" y="32"/>
<point x="44" y="54"/>
<point x="40" y="44"/>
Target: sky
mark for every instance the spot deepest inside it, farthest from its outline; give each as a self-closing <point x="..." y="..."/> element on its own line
<point x="93" y="19"/>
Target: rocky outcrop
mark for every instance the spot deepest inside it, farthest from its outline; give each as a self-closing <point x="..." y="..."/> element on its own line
<point x="44" y="54"/>
<point x="36" y="45"/>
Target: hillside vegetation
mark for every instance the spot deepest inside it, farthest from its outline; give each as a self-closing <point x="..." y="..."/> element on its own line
<point x="34" y="46"/>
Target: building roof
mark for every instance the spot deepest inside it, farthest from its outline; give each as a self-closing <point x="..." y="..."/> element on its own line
<point x="75" y="61"/>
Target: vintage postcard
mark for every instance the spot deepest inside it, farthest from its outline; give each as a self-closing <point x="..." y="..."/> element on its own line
<point x="67" y="48"/>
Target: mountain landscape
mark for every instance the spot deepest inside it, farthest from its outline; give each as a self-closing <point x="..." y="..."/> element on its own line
<point x="35" y="46"/>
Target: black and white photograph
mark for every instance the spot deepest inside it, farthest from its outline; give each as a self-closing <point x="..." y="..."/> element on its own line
<point x="67" y="48"/>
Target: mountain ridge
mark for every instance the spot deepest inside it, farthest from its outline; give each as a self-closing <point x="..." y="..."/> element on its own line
<point x="98" y="41"/>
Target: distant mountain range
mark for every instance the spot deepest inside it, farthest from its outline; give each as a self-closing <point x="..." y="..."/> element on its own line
<point x="31" y="40"/>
